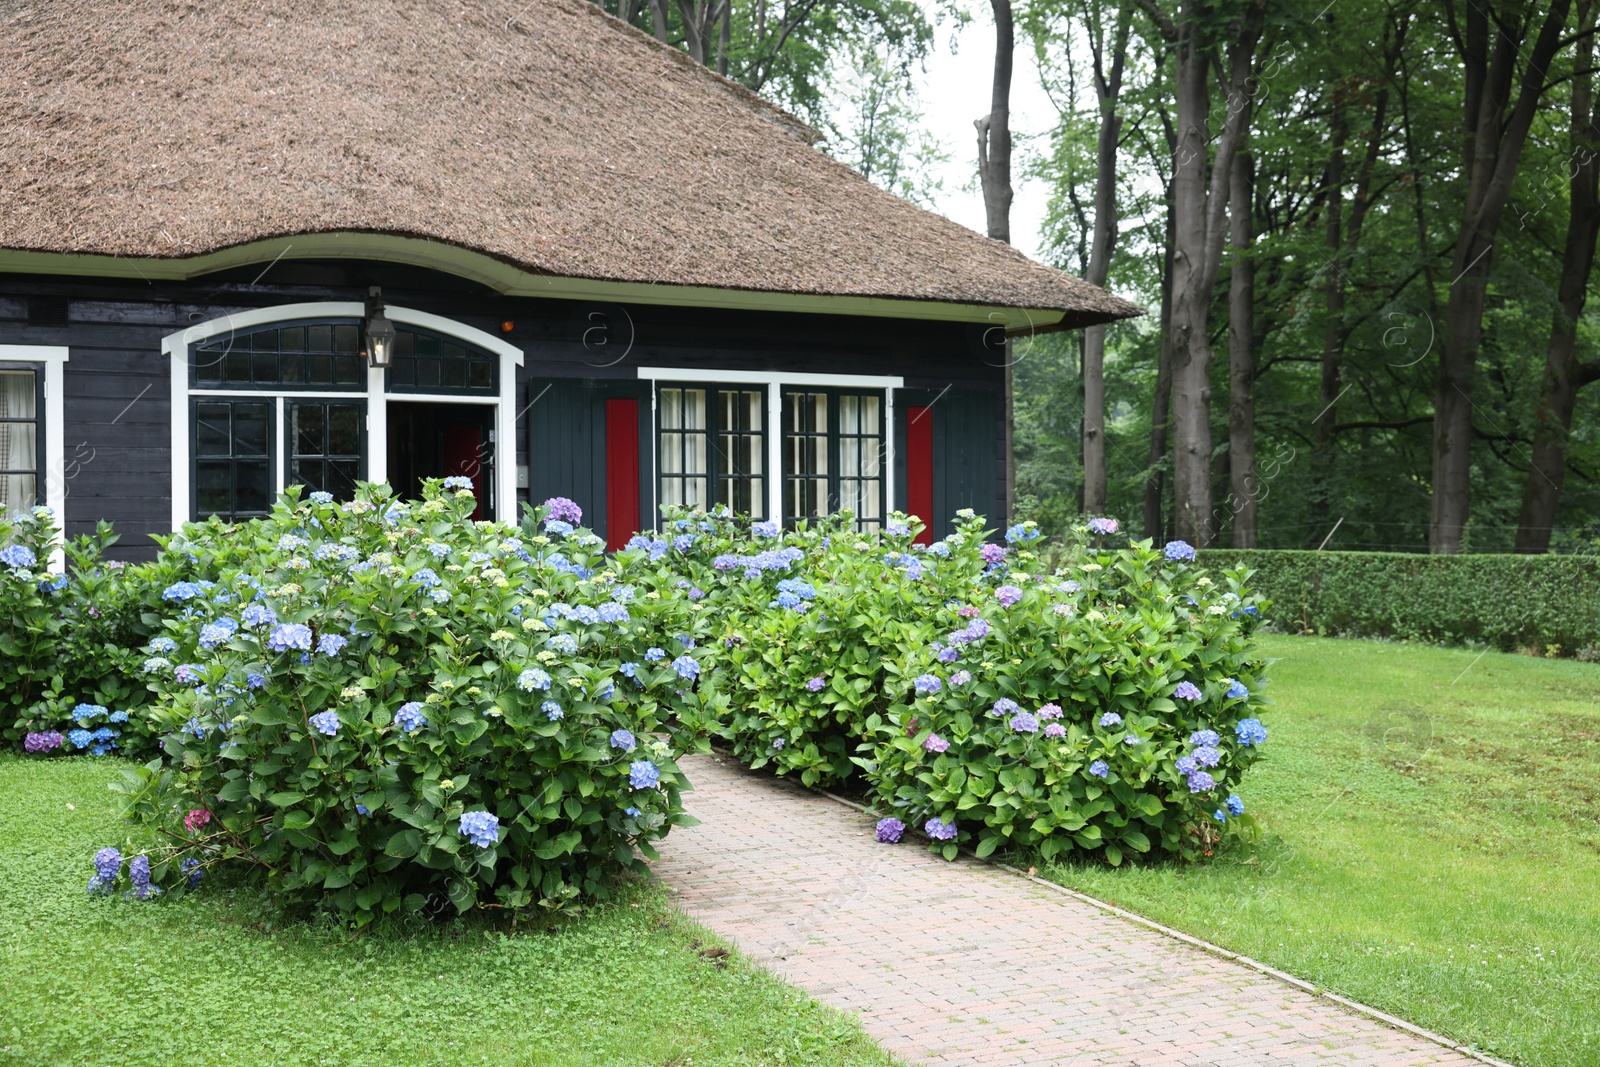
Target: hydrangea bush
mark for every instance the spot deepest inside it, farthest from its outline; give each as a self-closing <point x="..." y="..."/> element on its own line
<point x="380" y="707"/>
<point x="1107" y="707"/>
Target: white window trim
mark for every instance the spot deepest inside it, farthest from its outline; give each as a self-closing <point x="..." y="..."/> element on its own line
<point x="774" y="381"/>
<point x="54" y="360"/>
<point x="176" y="347"/>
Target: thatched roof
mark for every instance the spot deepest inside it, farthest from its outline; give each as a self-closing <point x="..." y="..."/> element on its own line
<point x="544" y="135"/>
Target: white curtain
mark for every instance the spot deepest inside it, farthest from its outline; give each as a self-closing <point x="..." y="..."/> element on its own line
<point x="19" y="442"/>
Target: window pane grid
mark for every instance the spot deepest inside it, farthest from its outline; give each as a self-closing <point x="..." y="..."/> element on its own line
<point x="20" y="444"/>
<point x="325" y="446"/>
<point x="833" y="455"/>
<point x="711" y="448"/>
<point x="317" y="355"/>
<point x="232" y="448"/>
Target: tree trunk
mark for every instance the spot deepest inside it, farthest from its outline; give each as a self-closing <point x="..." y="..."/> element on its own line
<point x="1107" y="88"/>
<point x="994" y="130"/>
<point x="1200" y="201"/>
<point x="658" y="19"/>
<point x="724" y="37"/>
<point x="1155" y="482"/>
<point x="1494" y="148"/>
<point x="1563" y="374"/>
<point x="1322" y="432"/>
<point x="1242" y="356"/>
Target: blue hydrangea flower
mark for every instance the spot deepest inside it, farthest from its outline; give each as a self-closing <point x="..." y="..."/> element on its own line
<point x="1204" y="737"/>
<point x="139" y="876"/>
<point x="187" y="673"/>
<point x="163" y="644"/>
<point x="629" y="669"/>
<point x="1177" y="550"/>
<point x="1207" y="756"/>
<point x="1024" y="723"/>
<point x="320" y="497"/>
<point x="1099" y="769"/>
<point x="558" y="527"/>
<point x="1220" y="815"/>
<point x="361" y="809"/>
<point x="17" y="557"/>
<point x="622" y="739"/>
<point x="651" y="655"/>
<point x="87" y="712"/>
<point x="107" y="865"/>
<point x="770" y="528"/>
<point x="458" y="481"/>
<point x="290" y="636"/>
<point x="533" y="678"/>
<point x="634" y="812"/>
<point x="1187" y="764"/>
<point x="890" y="829"/>
<point x="331" y="644"/>
<point x="427" y="578"/>
<point x="326" y="722"/>
<point x="182" y="591"/>
<point x="687" y="668"/>
<point x="410" y="718"/>
<point x="1003" y="706"/>
<point x="1201" y="782"/>
<point x="816" y="684"/>
<point x="1110" y="719"/>
<point x="118" y="716"/>
<point x="259" y="615"/>
<point x="643" y="774"/>
<point x="948" y="655"/>
<point x="777" y="744"/>
<point x="611" y="611"/>
<point x="927" y="684"/>
<point x="566" y="644"/>
<point x="192" y="871"/>
<point x="1250" y="732"/>
<point x="939" y="830"/>
<point x="1235" y="805"/>
<point x="1132" y="740"/>
<point x="480" y="827"/>
<point x="1187" y="691"/>
<point x="438" y="551"/>
<point x="1236" y="690"/>
<point x="255" y="681"/>
<point x="552" y="710"/>
<point x="1025" y="532"/>
<point x="79" y="738"/>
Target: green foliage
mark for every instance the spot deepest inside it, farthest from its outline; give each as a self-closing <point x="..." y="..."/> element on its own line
<point x="1548" y="604"/>
<point x="290" y="702"/>
<point x="1068" y="723"/>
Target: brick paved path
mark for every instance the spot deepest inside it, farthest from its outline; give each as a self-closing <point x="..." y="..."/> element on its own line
<point x="963" y="963"/>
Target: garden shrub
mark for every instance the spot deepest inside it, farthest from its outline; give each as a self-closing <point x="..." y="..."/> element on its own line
<point x="1106" y="708"/>
<point x="1546" y="603"/>
<point x="373" y="706"/>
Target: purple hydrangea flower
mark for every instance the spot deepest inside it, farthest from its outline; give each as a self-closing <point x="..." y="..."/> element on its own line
<point x="564" y="509"/>
<point x="1055" y="729"/>
<point x="939" y="830"/>
<point x="48" y="741"/>
<point x="777" y="744"/>
<point x="948" y="655"/>
<point x="107" y="865"/>
<point x="1187" y="691"/>
<point x="1008" y="595"/>
<point x="890" y="829"/>
<point x="1110" y="719"/>
<point x="643" y="774"/>
<point x="622" y="739"/>
<point x="139" y="875"/>
<point x="1024" y="723"/>
<point x="1102" y="527"/>
<point x="977" y="629"/>
<point x="480" y="827"/>
<point x="1099" y="769"/>
<point x="816" y="684"/>
<point x="1177" y="550"/>
<point x="1003" y="706"/>
<point x="1187" y="764"/>
<point x="992" y="554"/>
<point x="1050" y="711"/>
<point x="961" y="678"/>
<point x="326" y="722"/>
<point x="1201" y="782"/>
<point x="927" y="684"/>
<point x="935" y="743"/>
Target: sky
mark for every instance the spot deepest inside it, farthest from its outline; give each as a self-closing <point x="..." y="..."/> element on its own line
<point x="953" y="93"/>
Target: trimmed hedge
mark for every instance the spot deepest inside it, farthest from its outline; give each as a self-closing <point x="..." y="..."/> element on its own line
<point x="1547" y="604"/>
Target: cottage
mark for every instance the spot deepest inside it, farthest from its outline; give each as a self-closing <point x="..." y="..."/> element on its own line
<point x="245" y="246"/>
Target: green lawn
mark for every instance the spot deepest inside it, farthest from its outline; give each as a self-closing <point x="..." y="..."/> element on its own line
<point x="1430" y="844"/>
<point x="102" y="981"/>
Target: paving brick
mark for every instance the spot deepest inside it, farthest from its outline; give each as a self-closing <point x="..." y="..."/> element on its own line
<point x="965" y="965"/>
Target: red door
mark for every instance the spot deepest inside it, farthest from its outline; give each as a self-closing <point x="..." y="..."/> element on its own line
<point x="462" y="452"/>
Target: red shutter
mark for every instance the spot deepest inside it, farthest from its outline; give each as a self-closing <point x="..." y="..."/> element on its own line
<point x="622" y="472"/>
<point x="919" y="469"/>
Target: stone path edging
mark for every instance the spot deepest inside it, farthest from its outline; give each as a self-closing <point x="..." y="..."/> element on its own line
<point x="1215" y="950"/>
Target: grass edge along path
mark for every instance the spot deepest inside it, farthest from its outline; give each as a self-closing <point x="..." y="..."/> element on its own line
<point x="108" y="980"/>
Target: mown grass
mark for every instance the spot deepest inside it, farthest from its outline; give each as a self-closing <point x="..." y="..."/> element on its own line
<point x="195" y="981"/>
<point x="1430" y="844"/>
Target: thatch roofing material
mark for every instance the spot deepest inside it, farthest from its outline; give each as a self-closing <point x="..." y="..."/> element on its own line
<point x="544" y="134"/>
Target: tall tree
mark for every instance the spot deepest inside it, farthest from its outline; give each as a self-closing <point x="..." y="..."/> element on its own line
<point x="1200" y="197"/>
<point x="1564" y="372"/>
<point x="1504" y="81"/>
<point x="1107" y="87"/>
<point x="1242" y="352"/>
<point x="994" y="174"/>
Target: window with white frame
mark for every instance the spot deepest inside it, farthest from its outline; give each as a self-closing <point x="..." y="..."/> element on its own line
<point x="22" y="452"/>
<point x="712" y="447"/>
<point x="833" y="455"/>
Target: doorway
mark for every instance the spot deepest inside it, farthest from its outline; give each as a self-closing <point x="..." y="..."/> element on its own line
<point x="437" y="440"/>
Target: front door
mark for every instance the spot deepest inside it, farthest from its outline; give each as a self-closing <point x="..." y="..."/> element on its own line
<point x="442" y="440"/>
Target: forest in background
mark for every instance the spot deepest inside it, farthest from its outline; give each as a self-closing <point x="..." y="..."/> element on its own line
<point x="1365" y="232"/>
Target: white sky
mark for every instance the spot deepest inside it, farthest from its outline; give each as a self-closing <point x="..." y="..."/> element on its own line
<point x="953" y="93"/>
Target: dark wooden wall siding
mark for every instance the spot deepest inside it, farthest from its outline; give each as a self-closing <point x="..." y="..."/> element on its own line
<point x="965" y="448"/>
<point x="118" y="393"/>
